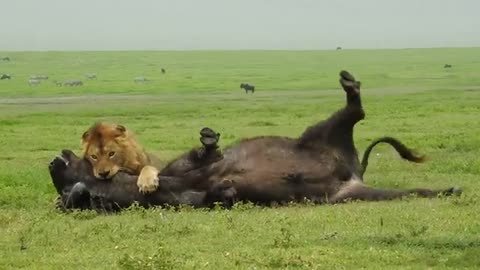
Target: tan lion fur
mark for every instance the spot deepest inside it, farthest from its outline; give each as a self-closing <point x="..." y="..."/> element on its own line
<point x="111" y="148"/>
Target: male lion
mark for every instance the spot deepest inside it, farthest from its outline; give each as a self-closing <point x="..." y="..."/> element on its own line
<point x="111" y="148"/>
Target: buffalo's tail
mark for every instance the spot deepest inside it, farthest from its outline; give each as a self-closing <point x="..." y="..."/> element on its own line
<point x="404" y="151"/>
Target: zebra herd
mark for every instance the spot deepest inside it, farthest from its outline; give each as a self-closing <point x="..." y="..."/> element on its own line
<point x="35" y="80"/>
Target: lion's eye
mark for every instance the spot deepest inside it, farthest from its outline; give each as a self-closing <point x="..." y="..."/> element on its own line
<point x="111" y="154"/>
<point x="94" y="157"/>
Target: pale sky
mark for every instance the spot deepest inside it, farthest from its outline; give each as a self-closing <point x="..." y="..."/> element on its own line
<point x="239" y="24"/>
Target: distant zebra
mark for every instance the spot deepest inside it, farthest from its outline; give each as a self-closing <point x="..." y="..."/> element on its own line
<point x="247" y="87"/>
<point x="91" y="76"/>
<point x="39" y="77"/>
<point x="6" y="77"/>
<point x="6" y="59"/>
<point x="57" y="83"/>
<point x="163" y="71"/>
<point x="447" y="66"/>
<point x="73" y="83"/>
<point x="140" y="79"/>
<point x="34" y="82"/>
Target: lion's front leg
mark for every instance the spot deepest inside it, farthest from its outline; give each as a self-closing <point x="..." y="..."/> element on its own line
<point x="148" y="179"/>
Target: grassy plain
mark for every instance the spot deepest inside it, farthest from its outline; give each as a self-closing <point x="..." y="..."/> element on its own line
<point x="407" y="94"/>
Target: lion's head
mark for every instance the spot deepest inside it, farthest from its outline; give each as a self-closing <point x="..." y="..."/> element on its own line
<point x="111" y="148"/>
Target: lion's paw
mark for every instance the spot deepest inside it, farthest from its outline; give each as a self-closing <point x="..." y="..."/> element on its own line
<point x="148" y="180"/>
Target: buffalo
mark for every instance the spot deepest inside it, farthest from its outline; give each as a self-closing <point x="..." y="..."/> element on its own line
<point x="321" y="166"/>
<point x="6" y="77"/>
<point x="247" y="87"/>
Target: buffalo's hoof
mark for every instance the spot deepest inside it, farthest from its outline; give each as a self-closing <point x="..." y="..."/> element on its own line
<point x="61" y="162"/>
<point x="57" y="164"/>
<point x="348" y="82"/>
<point x="209" y="138"/>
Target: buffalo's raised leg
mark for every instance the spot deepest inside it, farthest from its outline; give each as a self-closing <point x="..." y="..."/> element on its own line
<point x="197" y="157"/>
<point x="337" y="130"/>
<point x="356" y="190"/>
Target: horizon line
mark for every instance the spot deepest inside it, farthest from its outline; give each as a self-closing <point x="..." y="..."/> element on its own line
<point x="233" y="49"/>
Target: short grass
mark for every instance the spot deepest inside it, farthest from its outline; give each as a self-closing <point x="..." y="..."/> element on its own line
<point x="407" y="94"/>
<point x="223" y="71"/>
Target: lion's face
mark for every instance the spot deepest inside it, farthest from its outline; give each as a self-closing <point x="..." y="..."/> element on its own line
<point x="102" y="146"/>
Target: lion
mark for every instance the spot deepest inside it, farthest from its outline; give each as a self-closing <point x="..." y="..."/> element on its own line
<point x="111" y="148"/>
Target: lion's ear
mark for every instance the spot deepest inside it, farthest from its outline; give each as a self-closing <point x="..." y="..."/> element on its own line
<point x="85" y="136"/>
<point x="122" y="129"/>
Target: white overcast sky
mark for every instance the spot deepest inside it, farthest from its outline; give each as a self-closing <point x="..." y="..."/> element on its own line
<point x="242" y="24"/>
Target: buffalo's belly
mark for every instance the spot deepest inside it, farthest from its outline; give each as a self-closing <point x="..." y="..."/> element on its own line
<point x="277" y="158"/>
<point x="278" y="172"/>
<point x="267" y="186"/>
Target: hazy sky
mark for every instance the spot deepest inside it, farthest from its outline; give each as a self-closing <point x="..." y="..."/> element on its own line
<point x="242" y="24"/>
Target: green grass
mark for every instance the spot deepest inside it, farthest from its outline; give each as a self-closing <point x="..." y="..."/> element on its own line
<point x="223" y="71"/>
<point x="407" y="94"/>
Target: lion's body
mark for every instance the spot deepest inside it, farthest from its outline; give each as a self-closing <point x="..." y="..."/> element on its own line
<point x="112" y="148"/>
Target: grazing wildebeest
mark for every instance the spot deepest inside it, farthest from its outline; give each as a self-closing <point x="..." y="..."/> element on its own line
<point x="34" y="82"/>
<point x="163" y="71"/>
<point x="247" y="87"/>
<point x="339" y="48"/>
<point x="6" y="77"/>
<point x="447" y="66"/>
<point x="91" y="76"/>
<point x="140" y="79"/>
<point x="321" y="165"/>
<point x="73" y="83"/>
<point x="6" y="59"/>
